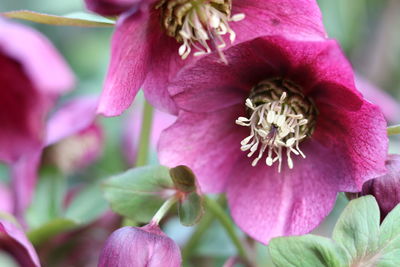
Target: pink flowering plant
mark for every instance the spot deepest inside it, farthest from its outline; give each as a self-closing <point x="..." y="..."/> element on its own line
<point x="244" y="133"/>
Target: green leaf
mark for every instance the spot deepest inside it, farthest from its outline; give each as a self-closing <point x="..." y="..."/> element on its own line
<point x="307" y="250"/>
<point x="183" y="178"/>
<point x="357" y="229"/>
<point x="69" y="20"/>
<point x="389" y="240"/>
<point x="190" y="209"/>
<point x="50" y="229"/>
<point x="87" y="206"/>
<point x="139" y="192"/>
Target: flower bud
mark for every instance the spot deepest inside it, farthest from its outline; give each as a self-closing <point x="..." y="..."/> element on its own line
<point x="140" y="246"/>
<point x="386" y="188"/>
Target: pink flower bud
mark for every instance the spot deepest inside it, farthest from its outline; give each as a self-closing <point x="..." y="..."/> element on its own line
<point x="386" y="188"/>
<point x="140" y="246"/>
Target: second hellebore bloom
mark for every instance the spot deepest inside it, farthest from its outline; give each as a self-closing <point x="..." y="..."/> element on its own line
<point x="31" y="77"/>
<point x="281" y="129"/>
<point x="151" y="36"/>
<point x="139" y="247"/>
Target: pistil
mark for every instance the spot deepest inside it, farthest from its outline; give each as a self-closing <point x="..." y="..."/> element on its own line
<point x="280" y="119"/>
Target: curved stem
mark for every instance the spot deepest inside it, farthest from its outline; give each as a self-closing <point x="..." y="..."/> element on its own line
<point x="163" y="210"/>
<point x="144" y="142"/>
<point x="393" y="130"/>
<point x="226" y="222"/>
<point x="201" y="228"/>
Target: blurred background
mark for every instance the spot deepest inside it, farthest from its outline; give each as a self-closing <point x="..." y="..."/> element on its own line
<point x="368" y="31"/>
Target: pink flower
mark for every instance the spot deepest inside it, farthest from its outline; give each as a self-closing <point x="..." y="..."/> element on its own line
<point x="14" y="241"/>
<point x="281" y="129"/>
<point x="32" y="75"/>
<point x="73" y="140"/>
<point x="386" y="189"/>
<point x="151" y="37"/>
<point x="139" y="247"/>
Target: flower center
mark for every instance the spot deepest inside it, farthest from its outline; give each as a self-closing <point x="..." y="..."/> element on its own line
<point x="198" y="24"/>
<point x="280" y="118"/>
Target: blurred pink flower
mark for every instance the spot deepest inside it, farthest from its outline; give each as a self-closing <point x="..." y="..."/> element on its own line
<point x="132" y="128"/>
<point x="145" y="246"/>
<point x="390" y="107"/>
<point x="14" y="241"/>
<point x="32" y="75"/>
<point x="147" y="54"/>
<point x="386" y="189"/>
<point x="73" y="141"/>
<point x="297" y="111"/>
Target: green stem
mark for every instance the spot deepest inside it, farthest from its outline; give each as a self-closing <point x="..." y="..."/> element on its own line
<point x="163" y="210"/>
<point x="144" y="141"/>
<point x="226" y="222"/>
<point x="201" y="228"/>
<point x="393" y="130"/>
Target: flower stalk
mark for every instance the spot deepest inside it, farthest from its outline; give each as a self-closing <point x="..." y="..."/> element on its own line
<point x="163" y="210"/>
<point x="144" y="141"/>
<point x="226" y="222"/>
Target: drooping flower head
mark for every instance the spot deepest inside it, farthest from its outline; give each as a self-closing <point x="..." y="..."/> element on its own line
<point x="281" y="129"/>
<point x="32" y="75"/>
<point x="152" y="38"/>
<point x="385" y="189"/>
<point x="140" y="246"/>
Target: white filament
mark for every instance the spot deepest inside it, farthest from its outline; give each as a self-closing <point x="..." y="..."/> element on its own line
<point x="202" y="24"/>
<point x="273" y="127"/>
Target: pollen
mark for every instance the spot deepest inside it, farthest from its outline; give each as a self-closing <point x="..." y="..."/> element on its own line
<point x="199" y="25"/>
<point x="280" y="118"/>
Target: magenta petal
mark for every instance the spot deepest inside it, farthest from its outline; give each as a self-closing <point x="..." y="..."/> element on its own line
<point x="294" y="19"/>
<point x="130" y="55"/>
<point x="140" y="247"/>
<point x="386" y="189"/>
<point x="214" y="136"/>
<point x="266" y="204"/>
<point x="110" y="7"/>
<point x="24" y="177"/>
<point x="356" y="137"/>
<point x="14" y="241"/>
<point x="71" y="118"/>
<point x="40" y="60"/>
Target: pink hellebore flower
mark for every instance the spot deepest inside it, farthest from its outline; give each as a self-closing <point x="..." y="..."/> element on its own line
<point x="73" y="140"/>
<point x="281" y="129"/>
<point x="32" y="75"/>
<point x="145" y="246"/>
<point x="14" y="241"/>
<point x="152" y="37"/>
<point x="386" y="189"/>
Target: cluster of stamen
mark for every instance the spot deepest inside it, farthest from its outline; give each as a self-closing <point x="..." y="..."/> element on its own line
<point x="280" y="117"/>
<point x="198" y="24"/>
